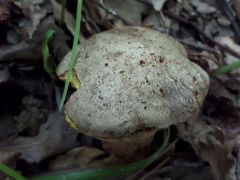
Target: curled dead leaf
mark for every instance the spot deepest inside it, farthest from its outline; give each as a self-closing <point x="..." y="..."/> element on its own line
<point x="211" y="144"/>
<point x="54" y="137"/>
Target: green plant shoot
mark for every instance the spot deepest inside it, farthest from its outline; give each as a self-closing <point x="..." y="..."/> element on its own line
<point x="10" y="172"/>
<point x="47" y="64"/>
<point x="228" y="68"/>
<point x="73" y="52"/>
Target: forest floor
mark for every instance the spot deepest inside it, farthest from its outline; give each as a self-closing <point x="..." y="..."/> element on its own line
<point x="34" y="137"/>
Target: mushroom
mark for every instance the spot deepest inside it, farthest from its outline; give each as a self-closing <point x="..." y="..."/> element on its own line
<point x="133" y="82"/>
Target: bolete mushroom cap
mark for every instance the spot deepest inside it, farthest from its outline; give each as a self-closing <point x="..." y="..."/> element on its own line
<point x="133" y="79"/>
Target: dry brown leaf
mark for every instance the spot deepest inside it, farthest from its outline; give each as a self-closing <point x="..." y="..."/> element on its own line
<point x="81" y="157"/>
<point x="211" y="144"/>
<point x="69" y="20"/>
<point x="123" y="7"/>
<point x="55" y="136"/>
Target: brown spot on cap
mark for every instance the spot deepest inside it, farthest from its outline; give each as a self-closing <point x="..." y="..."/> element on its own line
<point x="141" y="62"/>
<point x="194" y="79"/>
<point x="161" y="60"/>
<point x="196" y="93"/>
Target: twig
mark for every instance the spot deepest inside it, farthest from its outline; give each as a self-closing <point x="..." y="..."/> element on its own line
<point x="200" y="47"/>
<point x="224" y="7"/>
<point x="112" y="12"/>
<point x="194" y="26"/>
<point x="147" y="176"/>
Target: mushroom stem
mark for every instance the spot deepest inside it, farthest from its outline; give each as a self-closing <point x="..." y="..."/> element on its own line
<point x="126" y="149"/>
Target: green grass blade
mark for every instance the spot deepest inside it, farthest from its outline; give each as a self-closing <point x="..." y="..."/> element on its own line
<point x="228" y="68"/>
<point x="48" y="66"/>
<point x="74" y="52"/>
<point x="104" y="173"/>
<point x="10" y="172"/>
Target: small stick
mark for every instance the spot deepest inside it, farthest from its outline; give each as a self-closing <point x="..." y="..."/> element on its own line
<point x="224" y="7"/>
<point x="112" y="12"/>
<point x="193" y="25"/>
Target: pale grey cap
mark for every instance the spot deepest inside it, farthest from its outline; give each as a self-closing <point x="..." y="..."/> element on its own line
<point x="134" y="79"/>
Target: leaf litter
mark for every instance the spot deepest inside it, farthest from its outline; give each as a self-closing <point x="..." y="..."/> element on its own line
<point x="208" y="29"/>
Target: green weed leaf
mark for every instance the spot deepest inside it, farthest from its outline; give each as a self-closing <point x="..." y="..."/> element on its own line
<point x="11" y="172"/>
<point x="47" y="64"/>
<point x="74" y="52"/>
<point x="228" y="68"/>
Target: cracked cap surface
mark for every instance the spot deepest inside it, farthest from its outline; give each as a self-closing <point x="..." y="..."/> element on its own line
<point x="133" y="79"/>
